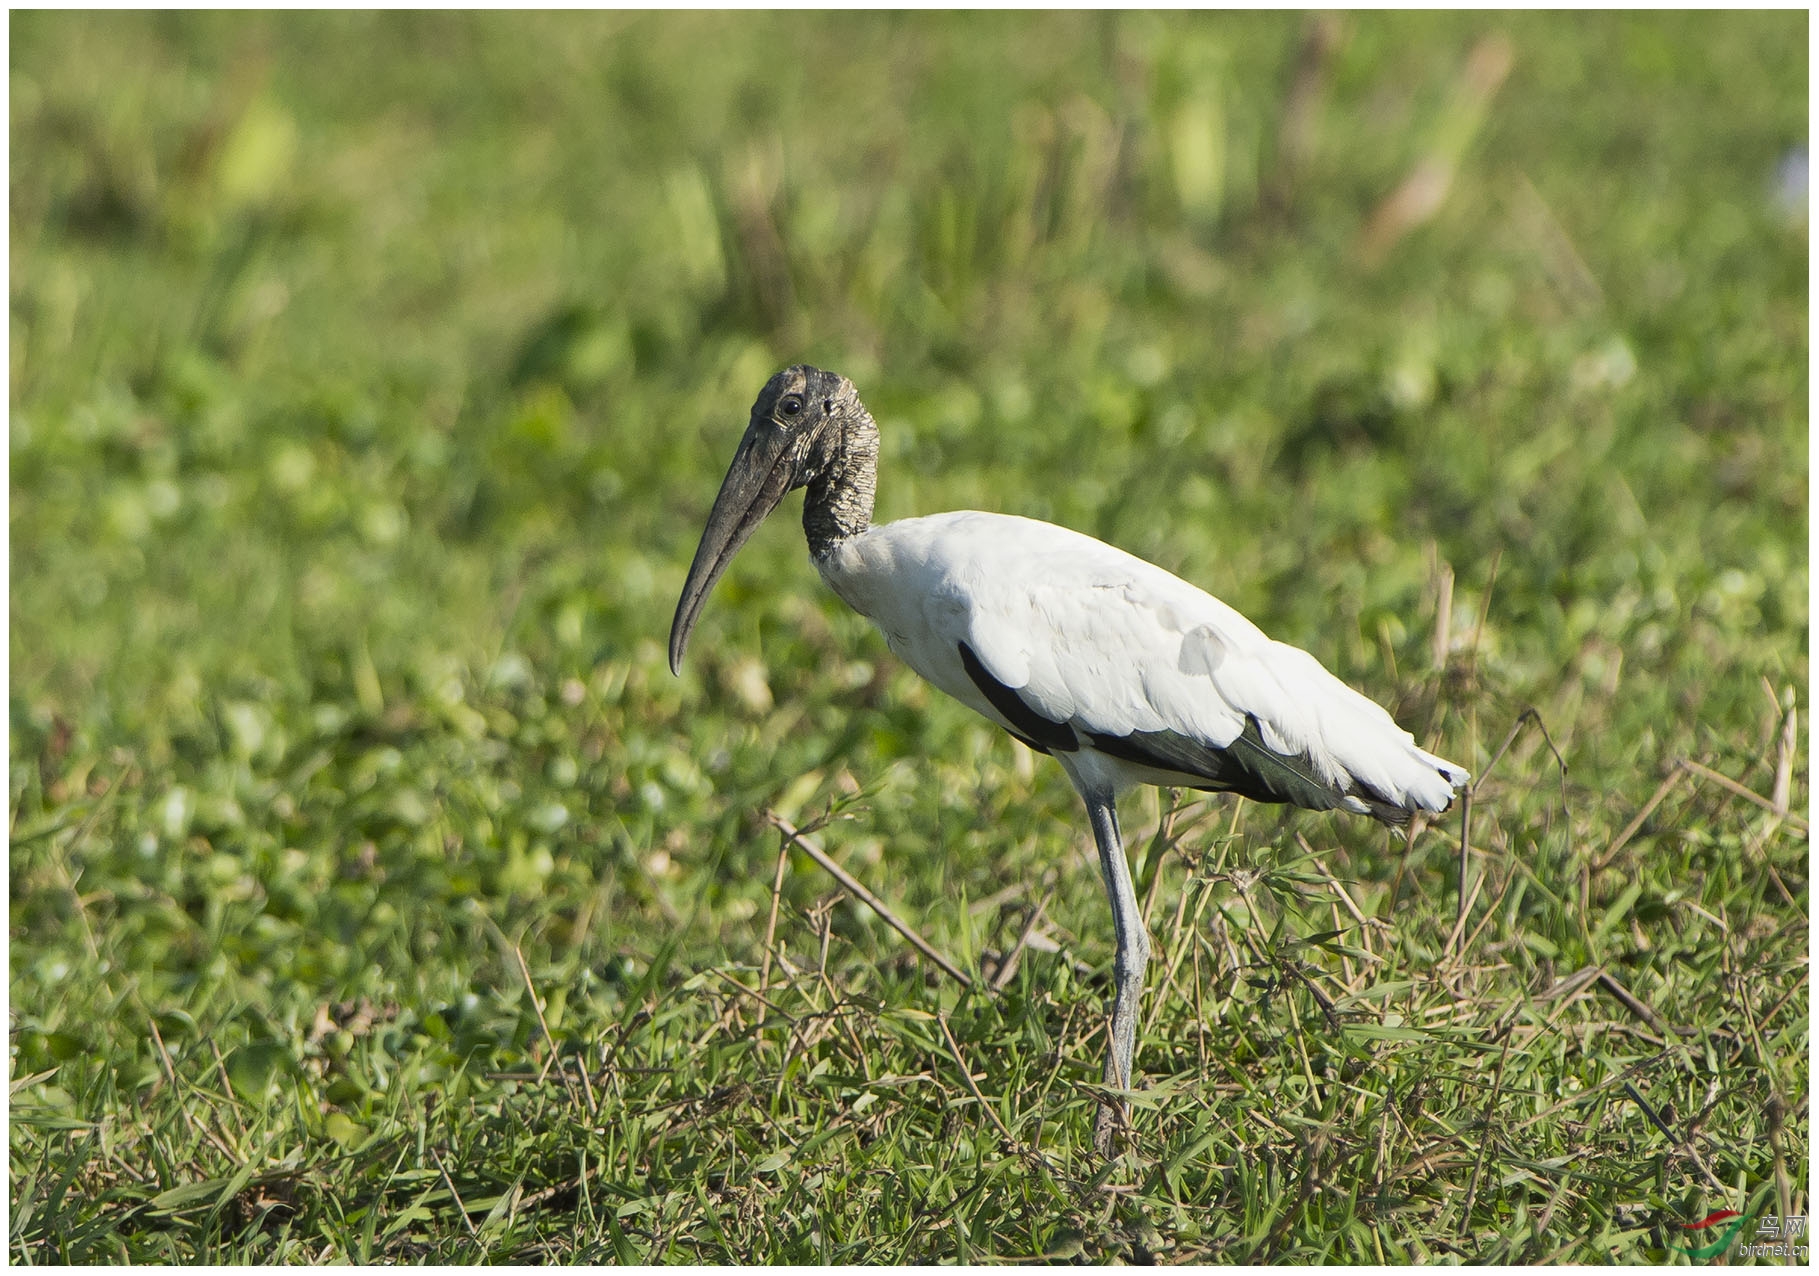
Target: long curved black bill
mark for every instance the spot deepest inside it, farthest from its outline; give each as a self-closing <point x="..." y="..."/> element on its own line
<point x="760" y="476"/>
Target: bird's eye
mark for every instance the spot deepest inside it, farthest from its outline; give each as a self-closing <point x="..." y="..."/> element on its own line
<point x="792" y="405"/>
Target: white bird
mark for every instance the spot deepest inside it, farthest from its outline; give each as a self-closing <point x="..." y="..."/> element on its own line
<point x="1122" y="672"/>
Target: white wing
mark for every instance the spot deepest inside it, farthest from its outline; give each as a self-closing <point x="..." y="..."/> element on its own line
<point x="1119" y="650"/>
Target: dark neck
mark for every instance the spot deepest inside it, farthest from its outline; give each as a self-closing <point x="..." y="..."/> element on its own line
<point x="838" y="503"/>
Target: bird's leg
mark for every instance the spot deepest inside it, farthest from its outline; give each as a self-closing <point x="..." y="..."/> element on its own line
<point x="1127" y="968"/>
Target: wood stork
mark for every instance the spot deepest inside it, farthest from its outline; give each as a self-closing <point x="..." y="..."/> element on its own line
<point x="1122" y="672"/>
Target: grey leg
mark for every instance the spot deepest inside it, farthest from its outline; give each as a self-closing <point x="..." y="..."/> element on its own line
<point x="1128" y="967"/>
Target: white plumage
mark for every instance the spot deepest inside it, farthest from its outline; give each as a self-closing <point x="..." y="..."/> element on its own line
<point x="1111" y="645"/>
<point x="1123" y="672"/>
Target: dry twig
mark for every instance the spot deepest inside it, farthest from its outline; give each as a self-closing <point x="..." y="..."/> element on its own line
<point x="871" y="901"/>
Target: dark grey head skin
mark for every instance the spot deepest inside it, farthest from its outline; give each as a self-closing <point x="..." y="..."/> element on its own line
<point x="808" y="429"/>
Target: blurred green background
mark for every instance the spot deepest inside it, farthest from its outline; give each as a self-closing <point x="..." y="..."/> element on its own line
<point x="371" y="376"/>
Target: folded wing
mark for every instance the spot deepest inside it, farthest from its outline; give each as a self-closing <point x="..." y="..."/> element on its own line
<point x="1069" y="639"/>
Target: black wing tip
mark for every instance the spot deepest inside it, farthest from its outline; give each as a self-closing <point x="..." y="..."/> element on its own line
<point x="1245" y="766"/>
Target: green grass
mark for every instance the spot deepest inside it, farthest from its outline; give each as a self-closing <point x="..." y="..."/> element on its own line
<point x="371" y="376"/>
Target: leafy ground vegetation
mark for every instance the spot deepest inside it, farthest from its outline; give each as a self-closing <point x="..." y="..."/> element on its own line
<point x="376" y="894"/>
